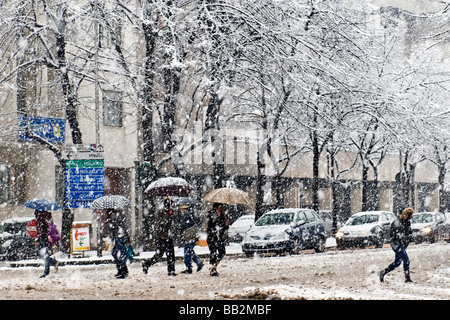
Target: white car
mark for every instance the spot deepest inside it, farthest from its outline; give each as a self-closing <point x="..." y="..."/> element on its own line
<point x="365" y="229"/>
<point x="237" y="230"/>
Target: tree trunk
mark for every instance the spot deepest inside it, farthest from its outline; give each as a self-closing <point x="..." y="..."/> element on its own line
<point x="71" y="116"/>
<point x="315" y="178"/>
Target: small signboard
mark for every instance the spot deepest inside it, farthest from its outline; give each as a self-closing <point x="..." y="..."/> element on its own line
<point x="80" y="238"/>
<point x="51" y="129"/>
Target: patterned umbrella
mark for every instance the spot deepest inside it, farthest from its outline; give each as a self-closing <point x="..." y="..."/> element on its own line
<point x="110" y="202"/>
<point x="169" y="186"/>
<point x="42" y="204"/>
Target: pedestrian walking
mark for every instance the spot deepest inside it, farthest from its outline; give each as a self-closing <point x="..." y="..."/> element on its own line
<point x="164" y="240"/>
<point x="189" y="230"/>
<point x="122" y="246"/>
<point x="47" y="238"/>
<point x="400" y="233"/>
<point x="217" y="232"/>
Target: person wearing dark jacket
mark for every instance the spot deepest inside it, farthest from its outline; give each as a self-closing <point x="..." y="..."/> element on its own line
<point x="119" y="234"/>
<point x="400" y="233"/>
<point x="189" y="230"/>
<point x="217" y="233"/>
<point x="164" y="240"/>
<point x="47" y="238"/>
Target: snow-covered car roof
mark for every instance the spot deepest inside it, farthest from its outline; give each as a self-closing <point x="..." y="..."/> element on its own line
<point x="286" y="210"/>
<point x="17" y="220"/>
<point x="369" y="212"/>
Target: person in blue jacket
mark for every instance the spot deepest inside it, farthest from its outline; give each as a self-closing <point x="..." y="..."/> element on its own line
<point x="189" y="230"/>
<point x="400" y="233"/>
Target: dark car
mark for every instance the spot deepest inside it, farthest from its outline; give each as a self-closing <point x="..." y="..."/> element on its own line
<point x="429" y="226"/>
<point x="327" y="217"/>
<point x="15" y="242"/>
<point x="285" y="230"/>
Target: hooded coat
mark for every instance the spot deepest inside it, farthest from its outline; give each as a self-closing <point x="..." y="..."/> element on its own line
<point x="400" y="230"/>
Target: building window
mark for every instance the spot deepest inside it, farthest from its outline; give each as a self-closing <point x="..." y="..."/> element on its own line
<point x="12" y="184"/>
<point x="4" y="183"/>
<point x="112" y="108"/>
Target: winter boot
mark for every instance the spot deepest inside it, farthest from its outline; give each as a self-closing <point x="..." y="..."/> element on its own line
<point x="213" y="272"/>
<point x="145" y="266"/>
<point x="200" y="266"/>
<point x="118" y="270"/>
<point x="382" y="273"/>
<point x="187" y="271"/>
<point x="408" y="277"/>
<point x="123" y="273"/>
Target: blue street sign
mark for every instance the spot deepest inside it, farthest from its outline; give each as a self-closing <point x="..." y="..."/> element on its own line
<point x="83" y="182"/>
<point x="51" y="129"/>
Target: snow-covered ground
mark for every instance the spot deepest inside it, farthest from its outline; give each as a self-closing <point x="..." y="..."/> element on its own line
<point x="348" y="274"/>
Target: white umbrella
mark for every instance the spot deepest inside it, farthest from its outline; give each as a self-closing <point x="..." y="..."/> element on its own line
<point x="169" y="186"/>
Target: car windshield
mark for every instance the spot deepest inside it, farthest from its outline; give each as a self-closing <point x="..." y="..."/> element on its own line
<point x="422" y="218"/>
<point x="364" y="219"/>
<point x="276" y="218"/>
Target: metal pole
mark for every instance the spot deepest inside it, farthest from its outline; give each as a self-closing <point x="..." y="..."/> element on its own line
<point x="96" y="93"/>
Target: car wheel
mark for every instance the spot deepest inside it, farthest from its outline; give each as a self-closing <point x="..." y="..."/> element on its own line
<point x="295" y="247"/>
<point x="379" y="241"/>
<point x="433" y="238"/>
<point x="320" y="245"/>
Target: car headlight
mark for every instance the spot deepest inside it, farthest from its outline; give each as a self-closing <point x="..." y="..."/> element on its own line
<point x="427" y="230"/>
<point x="339" y="234"/>
<point x="281" y="236"/>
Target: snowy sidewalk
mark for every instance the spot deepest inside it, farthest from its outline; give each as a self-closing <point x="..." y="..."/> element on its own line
<point x="91" y="257"/>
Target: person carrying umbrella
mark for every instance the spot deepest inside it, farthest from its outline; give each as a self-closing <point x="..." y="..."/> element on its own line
<point x="164" y="240"/>
<point x="116" y="226"/>
<point x="218" y="223"/>
<point x="47" y="238"/>
<point x="189" y="231"/>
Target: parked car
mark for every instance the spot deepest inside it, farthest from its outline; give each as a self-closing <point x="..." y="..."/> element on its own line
<point x="15" y="242"/>
<point x="285" y="230"/>
<point x="447" y="217"/>
<point x="327" y="217"/>
<point x="237" y="230"/>
<point x="364" y="229"/>
<point x="429" y="226"/>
